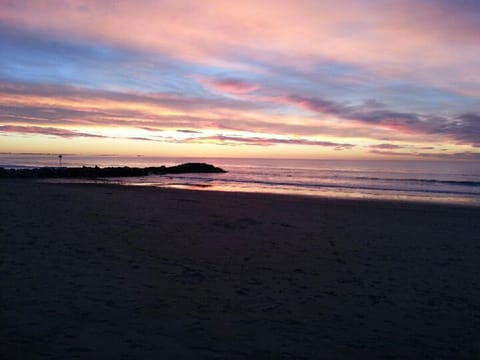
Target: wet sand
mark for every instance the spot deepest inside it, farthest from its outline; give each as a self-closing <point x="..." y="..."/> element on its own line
<point x="110" y="272"/>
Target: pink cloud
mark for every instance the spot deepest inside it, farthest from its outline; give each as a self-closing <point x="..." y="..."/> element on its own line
<point x="428" y="40"/>
<point x="229" y="85"/>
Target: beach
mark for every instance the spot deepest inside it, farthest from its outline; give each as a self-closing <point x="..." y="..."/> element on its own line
<point x="93" y="271"/>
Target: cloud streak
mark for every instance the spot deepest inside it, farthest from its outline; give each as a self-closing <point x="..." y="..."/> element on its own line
<point x="264" y="141"/>
<point x="40" y="130"/>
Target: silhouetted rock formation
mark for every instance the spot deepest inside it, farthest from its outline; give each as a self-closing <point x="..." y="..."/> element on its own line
<point x="95" y="172"/>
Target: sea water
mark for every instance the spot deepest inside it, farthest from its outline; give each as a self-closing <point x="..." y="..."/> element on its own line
<point x="455" y="182"/>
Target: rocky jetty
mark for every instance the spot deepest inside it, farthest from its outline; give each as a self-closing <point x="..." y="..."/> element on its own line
<point x="96" y="172"/>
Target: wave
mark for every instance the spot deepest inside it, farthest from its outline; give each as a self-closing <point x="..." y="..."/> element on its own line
<point x="354" y="186"/>
<point x="424" y="181"/>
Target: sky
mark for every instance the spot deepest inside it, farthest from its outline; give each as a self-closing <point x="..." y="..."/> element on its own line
<point x="362" y="79"/>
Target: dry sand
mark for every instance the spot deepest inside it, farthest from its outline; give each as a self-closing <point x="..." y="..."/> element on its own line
<point x="109" y="272"/>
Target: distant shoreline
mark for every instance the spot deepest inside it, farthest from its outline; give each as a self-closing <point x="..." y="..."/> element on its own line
<point x="454" y="183"/>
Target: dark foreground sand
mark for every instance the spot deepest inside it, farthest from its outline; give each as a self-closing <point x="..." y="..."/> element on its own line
<point x="105" y="272"/>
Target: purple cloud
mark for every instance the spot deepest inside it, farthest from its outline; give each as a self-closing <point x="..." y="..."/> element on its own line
<point x="463" y="128"/>
<point x="46" y="131"/>
<point x="316" y="104"/>
<point x="391" y="153"/>
<point x="268" y="141"/>
<point x="386" y="146"/>
<point x="187" y="131"/>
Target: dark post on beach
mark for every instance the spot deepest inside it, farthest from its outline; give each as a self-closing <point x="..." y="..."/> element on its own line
<point x="60" y="160"/>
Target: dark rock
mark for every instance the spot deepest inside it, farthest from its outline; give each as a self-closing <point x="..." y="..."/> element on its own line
<point x="194" y="168"/>
<point x="95" y="172"/>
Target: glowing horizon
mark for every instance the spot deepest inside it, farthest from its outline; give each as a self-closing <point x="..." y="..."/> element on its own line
<point x="282" y="79"/>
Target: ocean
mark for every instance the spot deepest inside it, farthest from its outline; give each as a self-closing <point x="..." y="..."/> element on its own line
<point x="453" y="182"/>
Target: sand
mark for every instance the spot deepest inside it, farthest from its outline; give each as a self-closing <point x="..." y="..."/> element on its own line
<point x="110" y="272"/>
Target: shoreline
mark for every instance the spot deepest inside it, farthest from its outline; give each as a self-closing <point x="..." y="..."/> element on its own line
<point x="113" y="182"/>
<point x="110" y="271"/>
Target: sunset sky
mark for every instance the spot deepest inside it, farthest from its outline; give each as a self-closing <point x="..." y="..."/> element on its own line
<point x="287" y="79"/>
